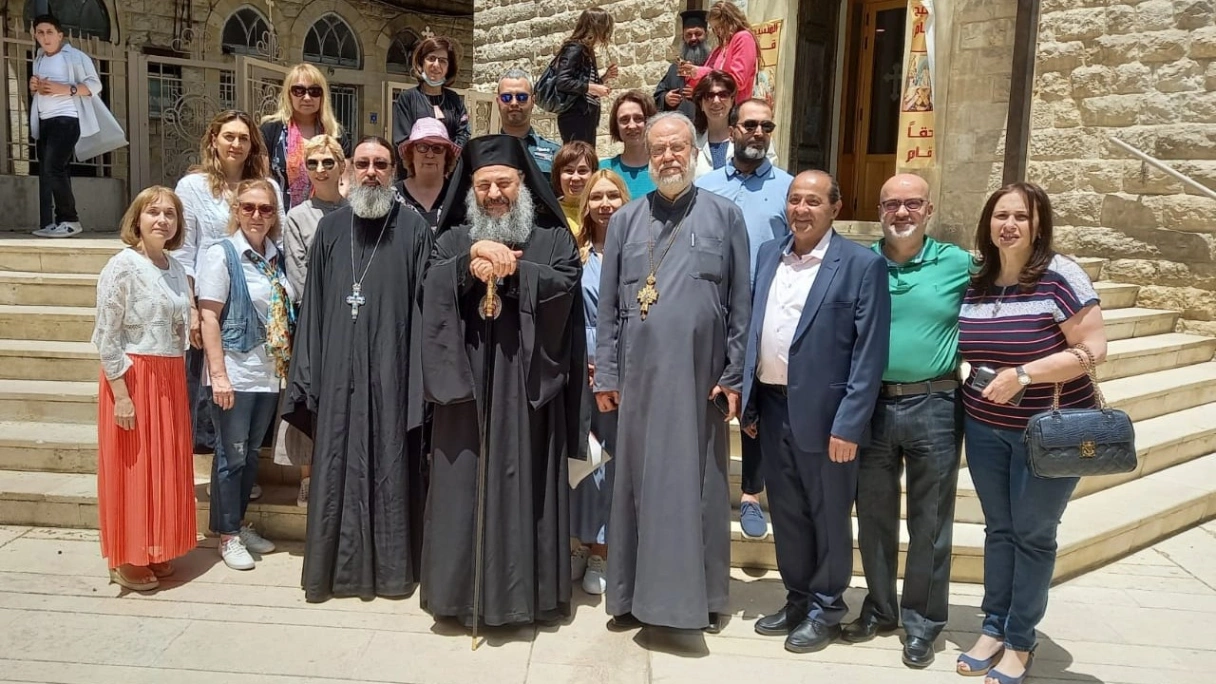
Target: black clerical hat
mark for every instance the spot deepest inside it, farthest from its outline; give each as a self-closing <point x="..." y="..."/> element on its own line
<point x="694" y="19"/>
<point x="499" y="150"/>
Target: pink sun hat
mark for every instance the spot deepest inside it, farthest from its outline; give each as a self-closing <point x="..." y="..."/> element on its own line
<point x="431" y="130"/>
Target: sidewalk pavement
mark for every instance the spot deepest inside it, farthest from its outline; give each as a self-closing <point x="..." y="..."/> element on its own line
<point x="1147" y="619"/>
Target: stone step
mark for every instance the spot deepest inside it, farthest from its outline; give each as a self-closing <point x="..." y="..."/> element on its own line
<point x="1163" y="392"/>
<point x="1161" y="442"/>
<point x="78" y="255"/>
<point x="1138" y="322"/>
<point x="48" y="360"/>
<point x="48" y="447"/>
<point x="55" y="323"/>
<point x="1138" y="355"/>
<point x="1094" y="530"/>
<point x="1092" y="266"/>
<point x="48" y="289"/>
<point x="48" y="401"/>
<point x="1116" y="295"/>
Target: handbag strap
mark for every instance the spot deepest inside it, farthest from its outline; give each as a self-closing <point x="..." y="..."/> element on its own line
<point x="1090" y="366"/>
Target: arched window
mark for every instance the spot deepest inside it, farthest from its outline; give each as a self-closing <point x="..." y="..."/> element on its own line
<point x="331" y="41"/>
<point x="243" y="32"/>
<point x="79" y="17"/>
<point x="401" y="53"/>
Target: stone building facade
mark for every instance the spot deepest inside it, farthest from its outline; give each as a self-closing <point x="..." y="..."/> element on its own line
<point x="1139" y="70"/>
<point x="1144" y="73"/>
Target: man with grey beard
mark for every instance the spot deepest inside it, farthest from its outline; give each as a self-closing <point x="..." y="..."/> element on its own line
<point x="672" y="93"/>
<point x="751" y="181"/>
<point x="356" y="388"/>
<point x="502" y="224"/>
<point x="670" y="341"/>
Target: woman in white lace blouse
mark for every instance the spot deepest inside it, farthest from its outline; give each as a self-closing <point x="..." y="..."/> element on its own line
<point x="145" y="468"/>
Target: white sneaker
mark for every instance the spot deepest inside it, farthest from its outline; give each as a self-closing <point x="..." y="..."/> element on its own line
<point x="595" y="581"/>
<point x="62" y="230"/>
<point x="254" y="541"/>
<point x="41" y="232"/>
<point x="235" y="556"/>
<point x="578" y="562"/>
<point x="302" y="497"/>
<point x="256" y="492"/>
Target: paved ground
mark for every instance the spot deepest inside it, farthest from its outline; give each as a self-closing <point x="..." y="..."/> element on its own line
<point x="1148" y="619"/>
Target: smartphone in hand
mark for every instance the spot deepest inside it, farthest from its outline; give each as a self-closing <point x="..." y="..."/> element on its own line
<point x="984" y="375"/>
<point x="722" y="403"/>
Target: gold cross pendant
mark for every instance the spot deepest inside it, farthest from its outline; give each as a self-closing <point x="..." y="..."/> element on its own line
<point x="648" y="295"/>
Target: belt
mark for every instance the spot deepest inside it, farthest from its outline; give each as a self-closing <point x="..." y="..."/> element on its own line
<point x="894" y="390"/>
<point x="783" y="390"/>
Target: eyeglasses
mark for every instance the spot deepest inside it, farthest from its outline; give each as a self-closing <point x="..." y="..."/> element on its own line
<point x="750" y="125"/>
<point x="326" y="163"/>
<point x="521" y="98"/>
<point x="380" y="164"/>
<point x="892" y="206"/>
<point x="428" y="148"/>
<point x="431" y="59"/>
<point x="660" y="152"/>
<point x="249" y="209"/>
<point x="717" y="95"/>
<point x="312" y="91"/>
<point x="625" y="119"/>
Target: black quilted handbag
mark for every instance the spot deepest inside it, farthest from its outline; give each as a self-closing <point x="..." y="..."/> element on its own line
<point x="1080" y="442"/>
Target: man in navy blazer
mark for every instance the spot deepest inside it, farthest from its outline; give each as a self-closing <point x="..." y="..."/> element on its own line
<point x="816" y="351"/>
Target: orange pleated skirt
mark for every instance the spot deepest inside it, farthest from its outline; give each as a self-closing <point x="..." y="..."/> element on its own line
<point x="145" y="476"/>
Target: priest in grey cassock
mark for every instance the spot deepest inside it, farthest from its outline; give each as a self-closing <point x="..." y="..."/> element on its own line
<point x="356" y="388"/>
<point x="502" y="223"/>
<point x="675" y="303"/>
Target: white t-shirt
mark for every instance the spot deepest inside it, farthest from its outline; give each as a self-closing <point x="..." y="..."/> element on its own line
<point x="253" y="371"/>
<point x="55" y="68"/>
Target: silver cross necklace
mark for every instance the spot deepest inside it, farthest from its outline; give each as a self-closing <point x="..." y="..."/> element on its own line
<point x="356" y="298"/>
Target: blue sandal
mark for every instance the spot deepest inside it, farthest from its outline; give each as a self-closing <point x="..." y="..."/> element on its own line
<point x="1003" y="678"/>
<point x="975" y="666"/>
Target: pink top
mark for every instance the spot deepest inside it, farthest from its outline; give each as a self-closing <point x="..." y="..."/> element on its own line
<point x="739" y="59"/>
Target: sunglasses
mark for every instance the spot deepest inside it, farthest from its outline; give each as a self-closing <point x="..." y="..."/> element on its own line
<point x="380" y="164"/>
<point x="717" y="95"/>
<point x="750" y="125"/>
<point x="326" y="163"/>
<point x="249" y="209"/>
<point x="521" y="98"/>
<point x="311" y="91"/>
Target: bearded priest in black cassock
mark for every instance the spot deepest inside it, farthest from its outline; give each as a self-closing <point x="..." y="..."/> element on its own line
<point x="501" y="221"/>
<point x="356" y="388"/>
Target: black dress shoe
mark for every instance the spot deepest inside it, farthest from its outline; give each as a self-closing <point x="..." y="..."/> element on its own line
<point x="781" y="622"/>
<point x="623" y="623"/>
<point x="918" y="652"/>
<point x="810" y="636"/>
<point x="715" y="624"/>
<point x="867" y="627"/>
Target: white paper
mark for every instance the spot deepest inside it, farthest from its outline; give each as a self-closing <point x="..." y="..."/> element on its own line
<point x="596" y="457"/>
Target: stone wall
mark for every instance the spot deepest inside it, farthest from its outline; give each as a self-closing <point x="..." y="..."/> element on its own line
<point x="975" y="53"/>
<point x="1144" y="72"/>
<point x="526" y="34"/>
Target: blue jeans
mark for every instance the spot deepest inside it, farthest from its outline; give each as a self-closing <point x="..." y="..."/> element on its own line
<point x="238" y="434"/>
<point x="200" y="402"/>
<point x="1021" y="514"/>
<point x="923" y="434"/>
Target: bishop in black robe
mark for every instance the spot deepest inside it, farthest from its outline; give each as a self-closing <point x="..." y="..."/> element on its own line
<point x="537" y="358"/>
<point x="356" y="388"/>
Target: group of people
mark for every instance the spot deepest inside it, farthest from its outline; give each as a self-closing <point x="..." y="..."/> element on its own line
<point x="449" y="351"/>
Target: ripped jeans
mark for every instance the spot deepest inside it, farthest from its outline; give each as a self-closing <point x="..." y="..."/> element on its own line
<point x="239" y="432"/>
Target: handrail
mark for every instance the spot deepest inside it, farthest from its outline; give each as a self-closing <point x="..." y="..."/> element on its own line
<point x="1169" y="170"/>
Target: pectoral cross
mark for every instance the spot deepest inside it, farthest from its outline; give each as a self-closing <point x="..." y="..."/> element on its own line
<point x="356" y="300"/>
<point x="648" y="295"/>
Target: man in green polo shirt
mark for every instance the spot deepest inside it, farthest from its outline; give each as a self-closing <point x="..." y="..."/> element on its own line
<point x="917" y="425"/>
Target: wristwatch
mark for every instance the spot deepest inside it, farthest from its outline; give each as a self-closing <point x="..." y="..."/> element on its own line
<point x="72" y="91"/>
<point x="1023" y="376"/>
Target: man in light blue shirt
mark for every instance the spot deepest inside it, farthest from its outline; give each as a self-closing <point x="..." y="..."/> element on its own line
<point x="751" y="181"/>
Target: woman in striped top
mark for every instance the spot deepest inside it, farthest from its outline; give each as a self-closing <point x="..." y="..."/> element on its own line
<point x="1025" y="307"/>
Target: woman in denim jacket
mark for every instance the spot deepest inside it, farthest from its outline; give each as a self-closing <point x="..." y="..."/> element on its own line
<point x="247" y="313"/>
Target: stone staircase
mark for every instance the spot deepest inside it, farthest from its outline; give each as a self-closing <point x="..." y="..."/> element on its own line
<point x="48" y="392"/>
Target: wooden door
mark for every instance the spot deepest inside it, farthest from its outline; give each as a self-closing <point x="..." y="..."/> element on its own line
<point x="814" y="69"/>
<point x="867" y="156"/>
